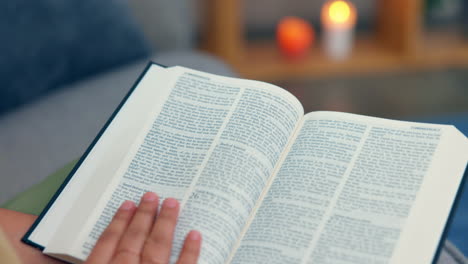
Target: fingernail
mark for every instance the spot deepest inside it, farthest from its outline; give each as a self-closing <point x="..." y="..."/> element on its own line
<point x="127" y="205"/>
<point x="194" y="235"/>
<point x="170" y="203"/>
<point x="150" y="197"/>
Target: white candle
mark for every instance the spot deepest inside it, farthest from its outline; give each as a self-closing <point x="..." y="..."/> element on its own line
<point x="338" y="21"/>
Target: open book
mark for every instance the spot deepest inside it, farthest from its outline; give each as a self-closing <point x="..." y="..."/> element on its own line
<point x="261" y="181"/>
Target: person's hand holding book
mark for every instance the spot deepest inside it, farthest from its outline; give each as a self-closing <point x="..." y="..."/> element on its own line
<point x="144" y="235"/>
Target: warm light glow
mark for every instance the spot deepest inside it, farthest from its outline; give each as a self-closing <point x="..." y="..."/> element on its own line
<point x="339" y="11"/>
<point x="338" y="14"/>
<point x="338" y="19"/>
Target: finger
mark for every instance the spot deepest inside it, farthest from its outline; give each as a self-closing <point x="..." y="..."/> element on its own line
<point x="109" y="239"/>
<point x="159" y="243"/>
<point x="131" y="244"/>
<point x="191" y="249"/>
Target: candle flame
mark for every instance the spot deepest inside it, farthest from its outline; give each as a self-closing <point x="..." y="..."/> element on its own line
<point x="339" y="11"/>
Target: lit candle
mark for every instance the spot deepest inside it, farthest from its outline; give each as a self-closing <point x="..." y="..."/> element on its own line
<point x="294" y="37"/>
<point x="338" y="21"/>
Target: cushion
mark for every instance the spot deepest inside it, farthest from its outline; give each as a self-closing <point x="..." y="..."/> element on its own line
<point x="35" y="199"/>
<point x="48" y="43"/>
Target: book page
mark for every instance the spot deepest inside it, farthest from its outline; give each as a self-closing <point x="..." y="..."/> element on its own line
<point x="58" y="229"/>
<point x="240" y="164"/>
<point x="105" y="155"/>
<point x="212" y="145"/>
<point x="348" y="189"/>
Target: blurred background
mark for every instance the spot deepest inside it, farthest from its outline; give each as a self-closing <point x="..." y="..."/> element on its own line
<point x="407" y="58"/>
<point x="65" y="65"/>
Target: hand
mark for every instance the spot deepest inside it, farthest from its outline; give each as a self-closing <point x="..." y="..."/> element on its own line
<point x="141" y="235"/>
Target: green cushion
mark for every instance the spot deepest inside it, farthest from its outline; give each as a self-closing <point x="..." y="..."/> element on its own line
<point x="33" y="200"/>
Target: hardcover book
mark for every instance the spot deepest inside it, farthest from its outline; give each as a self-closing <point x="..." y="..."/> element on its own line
<point x="260" y="179"/>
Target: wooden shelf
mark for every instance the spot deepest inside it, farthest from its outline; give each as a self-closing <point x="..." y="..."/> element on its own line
<point x="263" y="61"/>
<point x="442" y="49"/>
<point x="399" y="43"/>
